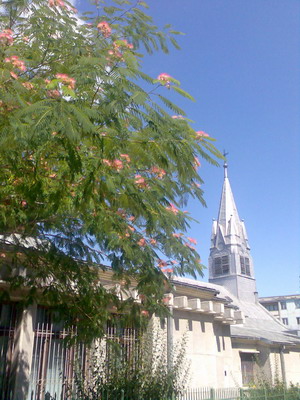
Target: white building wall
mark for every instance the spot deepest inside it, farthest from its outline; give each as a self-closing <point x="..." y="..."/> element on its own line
<point x="208" y="349"/>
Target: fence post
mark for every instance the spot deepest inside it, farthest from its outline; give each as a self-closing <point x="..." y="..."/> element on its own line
<point x="241" y="394"/>
<point x="212" y="394"/>
<point x="284" y="393"/>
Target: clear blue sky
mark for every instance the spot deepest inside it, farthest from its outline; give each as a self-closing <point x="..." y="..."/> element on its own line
<point x="240" y="59"/>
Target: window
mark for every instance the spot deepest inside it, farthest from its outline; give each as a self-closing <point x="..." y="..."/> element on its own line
<point x="128" y="349"/>
<point x="247" y="364"/>
<point x="245" y="265"/>
<point x="285" y="321"/>
<point x="298" y="320"/>
<point x="283" y="305"/>
<point x="53" y="362"/>
<point x="271" y="306"/>
<point x="52" y="370"/>
<point x="243" y="268"/>
<point x="221" y="265"/>
<point x="297" y="303"/>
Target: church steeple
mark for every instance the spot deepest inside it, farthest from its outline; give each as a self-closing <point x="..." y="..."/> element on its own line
<point x="230" y="262"/>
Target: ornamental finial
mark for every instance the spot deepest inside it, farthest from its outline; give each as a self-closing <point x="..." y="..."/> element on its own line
<point x="225" y="163"/>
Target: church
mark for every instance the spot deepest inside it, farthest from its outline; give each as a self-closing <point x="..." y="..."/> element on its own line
<point x="231" y="339"/>
<point x="234" y="340"/>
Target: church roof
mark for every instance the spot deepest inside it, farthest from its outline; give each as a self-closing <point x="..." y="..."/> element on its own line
<point x="259" y="323"/>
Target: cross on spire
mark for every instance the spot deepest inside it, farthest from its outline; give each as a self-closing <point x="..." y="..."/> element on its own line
<point x="225" y="163"/>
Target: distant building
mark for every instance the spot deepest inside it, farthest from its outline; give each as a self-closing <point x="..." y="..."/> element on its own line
<point x="285" y="308"/>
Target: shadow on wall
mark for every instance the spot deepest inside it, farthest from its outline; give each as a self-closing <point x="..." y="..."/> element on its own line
<point x="18" y="381"/>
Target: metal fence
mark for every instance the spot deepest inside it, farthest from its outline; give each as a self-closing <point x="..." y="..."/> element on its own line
<point x="52" y="370"/>
<point x="213" y="394"/>
<point x="269" y="393"/>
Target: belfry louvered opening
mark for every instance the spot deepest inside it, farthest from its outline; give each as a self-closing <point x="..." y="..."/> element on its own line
<point x="221" y="265"/>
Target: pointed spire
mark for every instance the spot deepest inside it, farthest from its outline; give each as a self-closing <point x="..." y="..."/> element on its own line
<point x="228" y="217"/>
<point x="230" y="262"/>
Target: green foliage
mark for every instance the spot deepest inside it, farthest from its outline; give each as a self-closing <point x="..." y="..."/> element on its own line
<point x="93" y="170"/>
<point x="268" y="391"/>
<point x="145" y="374"/>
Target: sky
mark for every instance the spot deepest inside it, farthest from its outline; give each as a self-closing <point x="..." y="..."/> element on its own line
<point x="240" y="60"/>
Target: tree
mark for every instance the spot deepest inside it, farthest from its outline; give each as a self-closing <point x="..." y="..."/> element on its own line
<point x="93" y="168"/>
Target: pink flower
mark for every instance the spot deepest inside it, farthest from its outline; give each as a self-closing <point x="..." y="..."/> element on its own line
<point x="126" y="157"/>
<point x="28" y="85"/>
<point x="162" y="264"/>
<point x="145" y="313"/>
<point x="54" y="94"/>
<point x="172" y="208"/>
<point x="196" y="163"/>
<point x="6" y="37"/>
<point x="140" y="181"/>
<point x="194" y="241"/>
<point x="152" y="241"/>
<point x="124" y="43"/>
<point x="16" y="62"/>
<point x="159" y="172"/>
<point x="201" y="134"/>
<point x="117" y="164"/>
<point x="13" y="75"/>
<point x="176" y="235"/>
<point x="164" y="77"/>
<point x="190" y="246"/>
<point x="104" y="28"/>
<point x="65" y="79"/>
<point x="116" y="53"/>
<point x="56" y="3"/>
<point x="142" y="242"/>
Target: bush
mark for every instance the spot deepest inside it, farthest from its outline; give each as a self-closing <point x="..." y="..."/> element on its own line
<point x="140" y="373"/>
